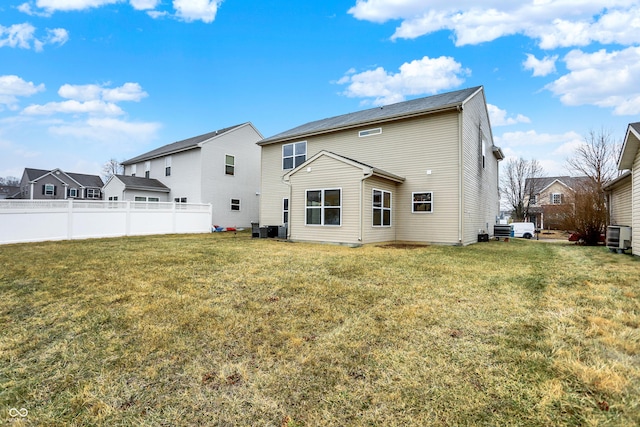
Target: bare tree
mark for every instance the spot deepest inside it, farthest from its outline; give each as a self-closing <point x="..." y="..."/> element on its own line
<point x="596" y="159"/>
<point x="110" y="168"/>
<point x="519" y="185"/>
<point x="10" y="181"/>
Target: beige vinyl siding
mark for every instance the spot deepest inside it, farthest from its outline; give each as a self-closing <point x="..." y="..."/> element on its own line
<point x="407" y="148"/>
<point x="373" y="234"/>
<point x="621" y="204"/>
<point x="635" y="209"/>
<point x="326" y="173"/>
<point x="480" y="199"/>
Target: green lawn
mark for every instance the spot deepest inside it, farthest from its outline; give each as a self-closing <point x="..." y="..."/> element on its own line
<point x="222" y="329"/>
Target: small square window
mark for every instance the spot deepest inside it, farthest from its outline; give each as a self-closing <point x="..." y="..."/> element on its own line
<point x="422" y="202"/>
<point x="235" y="204"/>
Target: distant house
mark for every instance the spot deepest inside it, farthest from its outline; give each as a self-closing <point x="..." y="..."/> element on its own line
<point x="55" y="184"/>
<point x="423" y="171"/>
<point x="221" y="168"/>
<point x="550" y="194"/>
<point x="627" y="188"/>
<point x="9" y="191"/>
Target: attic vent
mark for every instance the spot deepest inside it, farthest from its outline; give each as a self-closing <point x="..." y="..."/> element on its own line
<point x="369" y="132"/>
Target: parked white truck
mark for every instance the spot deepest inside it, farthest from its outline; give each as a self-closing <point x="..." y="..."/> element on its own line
<point x="523" y="229"/>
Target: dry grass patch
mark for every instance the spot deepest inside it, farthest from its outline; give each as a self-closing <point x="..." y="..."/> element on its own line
<point x="227" y="330"/>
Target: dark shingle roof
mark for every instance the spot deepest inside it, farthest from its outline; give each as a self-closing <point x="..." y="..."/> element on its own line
<point x="174" y="147"/>
<point x="82" y="179"/>
<point x="544" y="182"/>
<point x="379" y="114"/>
<point x="140" y="183"/>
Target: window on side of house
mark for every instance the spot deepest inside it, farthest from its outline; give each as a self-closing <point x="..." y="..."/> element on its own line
<point x="285" y="210"/>
<point x="422" y="202"/>
<point x="72" y="192"/>
<point x="370" y="132"/>
<point x="381" y="204"/>
<point x="235" y="204"/>
<point x="484" y="153"/>
<point x="133" y="170"/>
<point x="180" y="200"/>
<point x="153" y="199"/>
<point x="293" y="155"/>
<point x="324" y="207"/>
<point x="229" y="164"/>
<point x="147" y="169"/>
<point x="140" y="199"/>
<point x="93" y="193"/>
<point x="167" y="166"/>
<point x="49" y="190"/>
<point x="113" y="198"/>
<point x="556" y="198"/>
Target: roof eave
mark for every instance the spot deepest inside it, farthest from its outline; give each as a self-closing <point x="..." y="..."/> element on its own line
<point x="629" y="149"/>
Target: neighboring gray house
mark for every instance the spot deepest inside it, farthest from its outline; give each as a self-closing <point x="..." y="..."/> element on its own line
<point x="422" y="171"/>
<point x="9" y="191"/>
<point x="221" y="168"/>
<point x="56" y="185"/>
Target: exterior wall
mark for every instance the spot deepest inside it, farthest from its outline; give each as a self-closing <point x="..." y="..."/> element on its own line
<point x="114" y="188"/>
<point x="218" y="188"/>
<point x="373" y="234"/>
<point x="620" y="204"/>
<point x="635" y="209"/>
<point x="408" y="148"/>
<point x="480" y="200"/>
<point x="326" y="173"/>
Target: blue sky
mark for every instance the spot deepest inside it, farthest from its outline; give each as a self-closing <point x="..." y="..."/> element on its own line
<point x="83" y="81"/>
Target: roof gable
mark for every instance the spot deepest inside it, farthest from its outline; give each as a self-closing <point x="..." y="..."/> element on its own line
<point x="630" y="146"/>
<point x="83" y="180"/>
<point x="185" y="144"/>
<point x="430" y="104"/>
<point x="140" y="183"/>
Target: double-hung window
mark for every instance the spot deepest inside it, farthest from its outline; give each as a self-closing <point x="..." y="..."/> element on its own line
<point x="72" y="192"/>
<point x="167" y="166"/>
<point x="422" y="202"/>
<point x="147" y="169"/>
<point x="229" y="165"/>
<point x="293" y="155"/>
<point x="49" y="190"/>
<point x="381" y="208"/>
<point x="133" y="170"/>
<point x="93" y="193"/>
<point x="324" y="207"/>
<point x="285" y="210"/>
<point x="235" y="204"/>
<point x="556" y="198"/>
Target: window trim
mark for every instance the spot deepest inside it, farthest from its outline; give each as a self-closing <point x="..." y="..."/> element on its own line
<point x="147" y="169"/>
<point x="232" y="204"/>
<point x="232" y="165"/>
<point x="285" y="210"/>
<point x="167" y="166"/>
<point x="93" y="193"/>
<point x="48" y="192"/>
<point x="293" y="156"/>
<point x="72" y="192"/>
<point x="381" y="208"/>
<point x="553" y="198"/>
<point x="414" y="202"/>
<point x="322" y="207"/>
<point x="369" y="132"/>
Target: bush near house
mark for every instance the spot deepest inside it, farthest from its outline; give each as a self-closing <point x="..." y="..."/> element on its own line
<point x="222" y="329"/>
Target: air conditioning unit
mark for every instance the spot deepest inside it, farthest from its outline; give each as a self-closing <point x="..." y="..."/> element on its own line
<point x="618" y="237"/>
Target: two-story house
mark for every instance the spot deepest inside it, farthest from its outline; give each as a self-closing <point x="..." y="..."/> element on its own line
<point x="220" y="167"/>
<point x="55" y="184"/>
<point x="423" y="171"/>
<point x="549" y="196"/>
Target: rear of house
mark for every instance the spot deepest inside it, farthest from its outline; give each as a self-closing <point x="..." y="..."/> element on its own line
<point x="423" y="171"/>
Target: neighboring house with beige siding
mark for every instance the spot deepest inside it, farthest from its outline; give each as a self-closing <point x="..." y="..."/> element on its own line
<point x="630" y="160"/>
<point x="220" y="167"/>
<point x="423" y="171"/>
<point x="550" y="196"/>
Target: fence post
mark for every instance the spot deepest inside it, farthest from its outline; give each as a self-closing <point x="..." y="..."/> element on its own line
<point x="70" y="219"/>
<point x="127" y="226"/>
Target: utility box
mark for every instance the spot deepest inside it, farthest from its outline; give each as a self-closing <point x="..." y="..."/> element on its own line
<point x="255" y="229"/>
<point x="282" y="232"/>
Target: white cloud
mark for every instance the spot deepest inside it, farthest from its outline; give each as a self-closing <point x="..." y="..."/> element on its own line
<point x="605" y="79"/>
<point x="540" y="67"/>
<point x="108" y="131"/>
<point x="68" y="5"/>
<point x="144" y="4"/>
<point x="74" y="107"/>
<point x="57" y="36"/>
<point x="418" y="77"/>
<point x="12" y="87"/>
<point x="533" y="138"/>
<point x="196" y="10"/>
<point x="554" y="23"/>
<point x="23" y="36"/>
<point x="499" y="117"/>
<point x="126" y="92"/>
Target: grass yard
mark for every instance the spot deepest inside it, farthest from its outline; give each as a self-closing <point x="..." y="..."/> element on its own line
<point x="226" y="330"/>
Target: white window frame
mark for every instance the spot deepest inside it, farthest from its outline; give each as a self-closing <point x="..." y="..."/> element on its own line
<point x="293" y="156"/>
<point x="381" y="208"/>
<point x="73" y="192"/>
<point x="322" y="207"/>
<point x="49" y="190"/>
<point x="553" y="198"/>
<point x="235" y="202"/>
<point x="167" y="166"/>
<point x="484" y="153"/>
<point x="180" y="200"/>
<point x="415" y="202"/>
<point x="133" y="169"/>
<point x="147" y="169"/>
<point x="369" y="132"/>
<point x="93" y="193"/>
<point x="229" y="168"/>
<point x="285" y="210"/>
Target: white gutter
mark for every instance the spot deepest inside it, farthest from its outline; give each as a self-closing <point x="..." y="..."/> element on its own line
<point x="460" y="178"/>
<point x="361" y="203"/>
<point x="288" y="184"/>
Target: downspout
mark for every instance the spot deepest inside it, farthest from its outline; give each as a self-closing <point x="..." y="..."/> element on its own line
<point x="460" y="178"/>
<point x="288" y="184"/>
<point x="361" y="203"/>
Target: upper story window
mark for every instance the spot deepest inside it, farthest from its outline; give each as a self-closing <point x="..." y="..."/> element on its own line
<point x="167" y="166"/>
<point x="369" y="132"/>
<point x="293" y="155"/>
<point x="534" y="199"/>
<point x="147" y="169"/>
<point x="556" y="198"/>
<point x="422" y="202"/>
<point x="229" y="165"/>
<point x="381" y="204"/>
<point x="324" y="207"/>
<point x="133" y="170"/>
<point x="484" y="153"/>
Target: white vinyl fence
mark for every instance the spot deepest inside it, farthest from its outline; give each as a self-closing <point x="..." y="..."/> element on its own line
<point x="40" y="220"/>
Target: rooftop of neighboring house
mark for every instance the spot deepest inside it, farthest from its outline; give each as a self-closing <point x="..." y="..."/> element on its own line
<point x="140" y="183"/>
<point x="178" y="146"/>
<point x="377" y="115"/>
<point x="542" y="183"/>
<point x="82" y="179"/>
<point x="7" y="191"/>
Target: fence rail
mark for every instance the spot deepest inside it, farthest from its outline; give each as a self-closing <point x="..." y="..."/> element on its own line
<point x="40" y="220"/>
